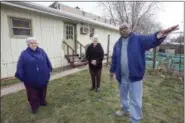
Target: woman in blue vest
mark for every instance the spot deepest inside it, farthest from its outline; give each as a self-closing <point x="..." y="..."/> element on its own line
<point x="33" y="69"/>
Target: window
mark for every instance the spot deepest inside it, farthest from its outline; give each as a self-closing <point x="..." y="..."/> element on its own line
<point x="69" y="32"/>
<point x="20" y="27"/>
<point x="91" y="32"/>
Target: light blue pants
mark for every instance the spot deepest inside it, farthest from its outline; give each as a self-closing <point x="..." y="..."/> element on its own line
<point x="131" y="94"/>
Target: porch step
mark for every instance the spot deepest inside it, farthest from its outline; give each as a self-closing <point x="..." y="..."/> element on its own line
<point x="80" y="63"/>
<point x="75" y="60"/>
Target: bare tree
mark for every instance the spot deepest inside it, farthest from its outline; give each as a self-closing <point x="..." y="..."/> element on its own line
<point x="179" y="39"/>
<point x="147" y="26"/>
<point x="137" y="14"/>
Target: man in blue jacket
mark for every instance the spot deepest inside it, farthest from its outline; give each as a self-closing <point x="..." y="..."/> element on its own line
<point x="128" y="64"/>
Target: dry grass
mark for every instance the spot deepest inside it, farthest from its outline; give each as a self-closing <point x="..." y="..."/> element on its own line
<point x="71" y="102"/>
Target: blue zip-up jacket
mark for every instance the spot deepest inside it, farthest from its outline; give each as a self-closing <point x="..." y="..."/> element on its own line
<point x="137" y="45"/>
<point x="34" y="67"/>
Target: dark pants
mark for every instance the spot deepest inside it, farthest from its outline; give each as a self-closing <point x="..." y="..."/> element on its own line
<point x="36" y="96"/>
<point x="95" y="77"/>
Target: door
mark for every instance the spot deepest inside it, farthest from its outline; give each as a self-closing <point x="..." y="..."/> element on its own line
<point x="69" y="37"/>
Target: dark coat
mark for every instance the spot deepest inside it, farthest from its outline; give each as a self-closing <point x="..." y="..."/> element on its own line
<point x="95" y="53"/>
<point x="34" y="67"/>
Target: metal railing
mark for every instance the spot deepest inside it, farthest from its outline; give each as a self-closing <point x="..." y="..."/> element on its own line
<point x="68" y="54"/>
<point x="81" y="47"/>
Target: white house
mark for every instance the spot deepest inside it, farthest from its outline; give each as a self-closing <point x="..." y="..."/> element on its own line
<point x="52" y="28"/>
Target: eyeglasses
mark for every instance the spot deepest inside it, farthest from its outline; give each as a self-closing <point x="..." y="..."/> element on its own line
<point x="124" y="28"/>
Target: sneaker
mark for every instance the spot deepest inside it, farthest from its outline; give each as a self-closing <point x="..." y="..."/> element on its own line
<point x="43" y="104"/>
<point x="35" y="111"/>
<point x="121" y="113"/>
<point x="98" y="89"/>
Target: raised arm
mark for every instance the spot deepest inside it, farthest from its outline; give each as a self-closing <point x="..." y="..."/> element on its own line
<point x="151" y="41"/>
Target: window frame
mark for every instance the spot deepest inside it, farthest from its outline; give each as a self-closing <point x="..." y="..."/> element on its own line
<point x="11" y="27"/>
<point x="69" y="32"/>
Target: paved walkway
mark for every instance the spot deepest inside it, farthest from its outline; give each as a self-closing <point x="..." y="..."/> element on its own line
<point x="20" y="86"/>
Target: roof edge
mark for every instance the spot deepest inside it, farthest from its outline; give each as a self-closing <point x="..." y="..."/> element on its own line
<point x="58" y="13"/>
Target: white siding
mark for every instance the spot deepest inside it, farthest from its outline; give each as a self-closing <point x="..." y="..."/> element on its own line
<point x="102" y="34"/>
<point x="114" y="36"/>
<point x="48" y="31"/>
<point x="82" y="38"/>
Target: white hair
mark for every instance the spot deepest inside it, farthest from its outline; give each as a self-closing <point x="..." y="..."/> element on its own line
<point x="30" y="39"/>
<point x="95" y="37"/>
<point x="124" y="25"/>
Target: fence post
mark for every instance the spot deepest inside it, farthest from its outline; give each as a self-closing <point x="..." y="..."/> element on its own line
<point x="154" y="57"/>
<point x="108" y="43"/>
<point x="80" y="51"/>
<point x="67" y="50"/>
<point x="180" y="58"/>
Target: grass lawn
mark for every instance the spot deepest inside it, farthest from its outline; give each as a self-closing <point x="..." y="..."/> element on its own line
<point x="71" y="102"/>
<point x="5" y="83"/>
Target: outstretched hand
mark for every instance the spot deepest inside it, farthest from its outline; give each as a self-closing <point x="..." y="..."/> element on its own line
<point x="165" y="32"/>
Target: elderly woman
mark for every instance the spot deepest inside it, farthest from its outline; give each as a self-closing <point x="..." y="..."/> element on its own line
<point x="95" y="55"/>
<point x="34" y="69"/>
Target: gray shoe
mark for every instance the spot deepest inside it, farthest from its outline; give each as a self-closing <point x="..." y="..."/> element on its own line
<point x="98" y="89"/>
<point x="121" y="113"/>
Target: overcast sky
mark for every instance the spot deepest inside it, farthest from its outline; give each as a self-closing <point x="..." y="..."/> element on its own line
<point x="172" y="13"/>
